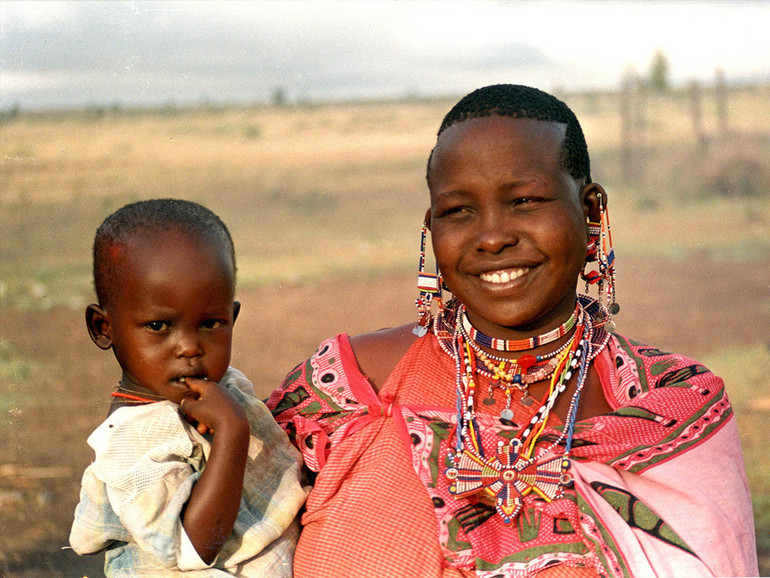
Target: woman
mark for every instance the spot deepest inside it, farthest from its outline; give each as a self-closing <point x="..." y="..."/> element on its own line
<point x="513" y="434"/>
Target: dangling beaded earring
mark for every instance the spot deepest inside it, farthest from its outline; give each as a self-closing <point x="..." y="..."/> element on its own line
<point x="594" y="235"/>
<point x="429" y="286"/>
<point x="600" y="250"/>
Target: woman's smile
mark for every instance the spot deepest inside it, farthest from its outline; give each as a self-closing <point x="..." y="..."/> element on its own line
<point x="503" y="276"/>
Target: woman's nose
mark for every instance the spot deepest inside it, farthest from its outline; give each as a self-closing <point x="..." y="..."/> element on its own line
<point x="494" y="232"/>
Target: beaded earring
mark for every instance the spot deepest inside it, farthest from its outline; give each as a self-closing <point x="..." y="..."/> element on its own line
<point x="429" y="286"/>
<point x="601" y="251"/>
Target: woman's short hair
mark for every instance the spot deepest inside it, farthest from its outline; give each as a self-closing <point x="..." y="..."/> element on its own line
<point x="519" y="101"/>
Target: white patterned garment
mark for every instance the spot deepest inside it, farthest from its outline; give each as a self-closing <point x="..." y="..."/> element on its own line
<point x="148" y="459"/>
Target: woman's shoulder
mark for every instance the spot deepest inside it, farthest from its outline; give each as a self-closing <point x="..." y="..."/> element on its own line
<point x="643" y="351"/>
<point x="653" y="367"/>
<point x="377" y="353"/>
<point x="350" y="367"/>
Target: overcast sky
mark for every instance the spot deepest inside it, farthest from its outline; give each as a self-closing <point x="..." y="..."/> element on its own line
<point x="68" y="53"/>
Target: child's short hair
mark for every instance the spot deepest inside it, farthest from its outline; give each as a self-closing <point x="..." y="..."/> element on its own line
<point x="519" y="101"/>
<point x="151" y="216"/>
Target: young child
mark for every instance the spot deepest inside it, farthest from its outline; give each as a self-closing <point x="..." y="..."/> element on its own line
<point x="191" y="472"/>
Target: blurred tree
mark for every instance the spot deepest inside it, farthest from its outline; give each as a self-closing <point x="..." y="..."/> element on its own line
<point x="659" y="72"/>
<point x="279" y="97"/>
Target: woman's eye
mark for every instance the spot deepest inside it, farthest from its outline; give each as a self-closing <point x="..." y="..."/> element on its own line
<point x="530" y="200"/>
<point x="453" y="211"/>
<point x="157" y="325"/>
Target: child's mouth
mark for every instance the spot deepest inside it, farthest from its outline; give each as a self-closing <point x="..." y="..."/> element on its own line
<point x="184" y="378"/>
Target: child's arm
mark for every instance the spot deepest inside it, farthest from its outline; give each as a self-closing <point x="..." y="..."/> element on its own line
<point x="210" y="513"/>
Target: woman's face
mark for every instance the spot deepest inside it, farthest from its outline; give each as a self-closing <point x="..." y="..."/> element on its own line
<point x="508" y="223"/>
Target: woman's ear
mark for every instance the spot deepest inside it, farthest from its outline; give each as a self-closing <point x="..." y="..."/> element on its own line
<point x="594" y="198"/>
<point x="427" y="218"/>
<point x="98" y="325"/>
<point x="236" y="310"/>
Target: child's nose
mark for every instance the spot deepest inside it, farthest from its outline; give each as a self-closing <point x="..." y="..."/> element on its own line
<point x="189" y="346"/>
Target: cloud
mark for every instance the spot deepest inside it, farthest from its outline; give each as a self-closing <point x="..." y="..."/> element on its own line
<point x="151" y="52"/>
<point x="143" y="52"/>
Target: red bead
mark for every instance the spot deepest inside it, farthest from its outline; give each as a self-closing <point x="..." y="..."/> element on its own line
<point x="526" y="361"/>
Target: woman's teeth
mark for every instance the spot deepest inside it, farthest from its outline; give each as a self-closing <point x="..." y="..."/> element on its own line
<point x="502" y="276"/>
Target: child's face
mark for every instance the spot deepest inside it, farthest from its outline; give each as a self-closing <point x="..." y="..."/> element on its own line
<point x="508" y="223"/>
<point x="174" y="312"/>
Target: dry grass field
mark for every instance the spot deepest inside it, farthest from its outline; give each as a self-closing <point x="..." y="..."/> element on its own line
<point x="325" y="204"/>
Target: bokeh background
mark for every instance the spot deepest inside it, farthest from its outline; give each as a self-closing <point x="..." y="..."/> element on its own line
<point x="306" y="126"/>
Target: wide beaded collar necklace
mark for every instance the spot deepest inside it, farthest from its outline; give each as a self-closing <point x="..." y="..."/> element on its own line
<point x="518" y="344"/>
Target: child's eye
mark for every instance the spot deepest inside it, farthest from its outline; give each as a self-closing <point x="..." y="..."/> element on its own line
<point x="213" y="324"/>
<point x="157" y="325"/>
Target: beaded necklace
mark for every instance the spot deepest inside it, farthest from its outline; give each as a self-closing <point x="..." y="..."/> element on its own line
<point x="514" y="471"/>
<point x="519" y="344"/>
<point x="512" y="374"/>
<point x="128" y="396"/>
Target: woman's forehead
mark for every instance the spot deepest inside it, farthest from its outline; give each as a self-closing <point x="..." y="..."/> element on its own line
<point x="504" y="128"/>
<point x="514" y="143"/>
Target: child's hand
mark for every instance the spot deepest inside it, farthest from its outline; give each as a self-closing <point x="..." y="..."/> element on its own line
<point x="212" y="407"/>
<point x="212" y="508"/>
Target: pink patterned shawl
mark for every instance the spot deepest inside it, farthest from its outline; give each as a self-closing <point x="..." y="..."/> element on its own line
<point x="660" y="487"/>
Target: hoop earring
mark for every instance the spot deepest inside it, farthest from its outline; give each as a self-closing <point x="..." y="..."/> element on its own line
<point x="429" y="286"/>
<point x="601" y="251"/>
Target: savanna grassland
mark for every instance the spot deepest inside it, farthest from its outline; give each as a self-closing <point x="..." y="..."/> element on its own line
<point x="325" y="203"/>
